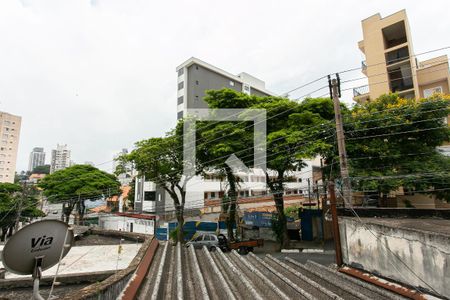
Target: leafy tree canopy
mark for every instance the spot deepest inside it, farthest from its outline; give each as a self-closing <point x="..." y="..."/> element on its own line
<point x="80" y="180"/>
<point x="11" y="197"/>
<point x="45" y="169"/>
<point x="391" y="142"/>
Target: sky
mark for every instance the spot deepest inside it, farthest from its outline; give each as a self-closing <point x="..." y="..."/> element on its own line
<point x="99" y="75"/>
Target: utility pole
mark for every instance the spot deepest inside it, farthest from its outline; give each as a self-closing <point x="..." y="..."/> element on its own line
<point x="335" y="90"/>
<point x="335" y="223"/>
<point x="309" y="193"/>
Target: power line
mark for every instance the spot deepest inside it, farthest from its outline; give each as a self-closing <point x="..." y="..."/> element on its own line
<point x="396" y="133"/>
<point x="396" y="60"/>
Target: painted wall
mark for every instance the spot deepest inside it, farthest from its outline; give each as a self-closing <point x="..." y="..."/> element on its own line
<point x="424" y="253"/>
<point x="127" y="224"/>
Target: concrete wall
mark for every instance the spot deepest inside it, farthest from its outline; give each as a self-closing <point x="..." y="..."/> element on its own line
<point x="121" y="223"/>
<point x="427" y="254"/>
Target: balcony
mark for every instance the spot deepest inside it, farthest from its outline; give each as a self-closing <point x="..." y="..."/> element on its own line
<point x="361" y="94"/>
<point x="360" y="90"/>
<point x="397" y="56"/>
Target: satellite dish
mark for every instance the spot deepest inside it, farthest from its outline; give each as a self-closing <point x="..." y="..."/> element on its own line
<point x="37" y="247"/>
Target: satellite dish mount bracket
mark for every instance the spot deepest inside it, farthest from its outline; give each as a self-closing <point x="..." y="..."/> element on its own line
<point x="37" y="273"/>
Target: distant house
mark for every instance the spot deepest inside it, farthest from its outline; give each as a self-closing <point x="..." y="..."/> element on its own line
<point x="35" y="178"/>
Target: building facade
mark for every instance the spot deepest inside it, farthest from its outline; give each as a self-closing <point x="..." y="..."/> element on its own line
<point x="10" y="133"/>
<point x="392" y="66"/>
<point x="60" y="158"/>
<point x="37" y="158"/>
<point x="195" y="77"/>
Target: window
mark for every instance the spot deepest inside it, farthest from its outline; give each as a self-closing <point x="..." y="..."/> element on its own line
<point x="213" y="195"/>
<point x="199" y="238"/>
<point x="246" y="89"/>
<point x="196" y="67"/>
<point x="180" y="85"/>
<point x="179" y="115"/>
<point x="150" y="196"/>
<point x="429" y="92"/>
<point x="7" y="123"/>
<point x="231" y="83"/>
<point x="6" y="128"/>
<point x="180" y="71"/>
<point x="196" y="98"/>
<point x="207" y="238"/>
<point x="196" y="82"/>
<point x="180" y="100"/>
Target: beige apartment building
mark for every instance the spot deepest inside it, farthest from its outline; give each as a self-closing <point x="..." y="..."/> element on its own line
<point x="10" y="133"/>
<point x="391" y="65"/>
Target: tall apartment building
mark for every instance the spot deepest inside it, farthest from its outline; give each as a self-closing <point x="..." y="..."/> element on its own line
<point x="196" y="76"/>
<point x="391" y="65"/>
<point x="10" y="133"/>
<point x="60" y="158"/>
<point x="37" y="158"/>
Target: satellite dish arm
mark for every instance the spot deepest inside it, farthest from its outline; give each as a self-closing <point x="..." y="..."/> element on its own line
<point x="37" y="273"/>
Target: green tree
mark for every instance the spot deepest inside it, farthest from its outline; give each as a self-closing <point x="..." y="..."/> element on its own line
<point x="290" y="126"/>
<point x="391" y="143"/>
<point x="295" y="132"/>
<point x="45" y="169"/>
<point x="14" y="199"/>
<point x="217" y="141"/>
<point x="74" y="185"/>
<point x="161" y="161"/>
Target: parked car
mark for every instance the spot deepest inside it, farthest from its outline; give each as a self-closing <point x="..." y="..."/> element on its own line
<point x="209" y="240"/>
<point x="371" y="200"/>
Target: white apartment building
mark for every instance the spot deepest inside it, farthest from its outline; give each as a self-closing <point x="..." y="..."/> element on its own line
<point x="126" y="177"/>
<point x="10" y="134"/>
<point x="37" y="158"/>
<point x="60" y="158"/>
